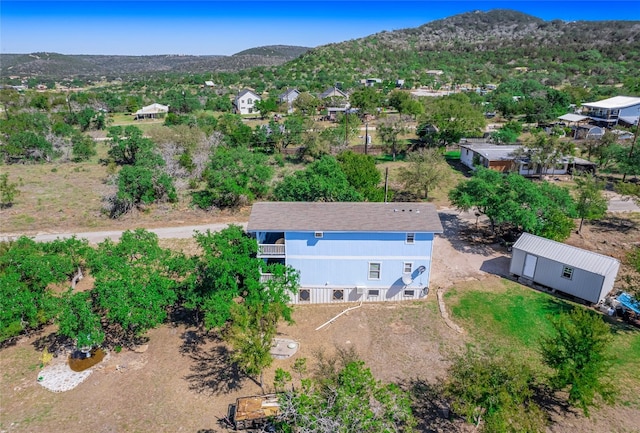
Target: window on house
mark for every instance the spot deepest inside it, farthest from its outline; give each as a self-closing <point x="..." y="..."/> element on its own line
<point x="567" y="272"/>
<point x="374" y="271"/>
<point x="373" y="292"/>
<point x="318" y="235"/>
<point x="407" y="268"/>
<point x="249" y="101"/>
<point x="304" y="295"/>
<point x="242" y="101"/>
<point x="409" y="293"/>
<point x="411" y="238"/>
<point x="338" y="294"/>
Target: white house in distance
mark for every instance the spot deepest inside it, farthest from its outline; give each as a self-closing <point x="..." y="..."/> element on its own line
<point x="613" y="110"/>
<point x="245" y="102"/>
<point x="288" y="97"/>
<point x="349" y="252"/>
<point x="151" y="111"/>
<point x="583" y="274"/>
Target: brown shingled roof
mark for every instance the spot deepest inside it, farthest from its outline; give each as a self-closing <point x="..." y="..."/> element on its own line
<point x="344" y="217"/>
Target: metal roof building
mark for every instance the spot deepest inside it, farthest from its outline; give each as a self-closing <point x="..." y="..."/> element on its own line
<point x="571" y="270"/>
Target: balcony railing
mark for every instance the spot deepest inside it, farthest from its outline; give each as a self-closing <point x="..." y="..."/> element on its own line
<point x="271" y="250"/>
<point x="265" y="277"/>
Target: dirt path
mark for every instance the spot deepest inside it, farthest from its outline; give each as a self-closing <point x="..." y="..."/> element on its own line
<point x="183" y="232"/>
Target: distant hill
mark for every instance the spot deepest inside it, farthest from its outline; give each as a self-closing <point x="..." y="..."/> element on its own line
<point x="54" y="65"/>
<point x="482" y="47"/>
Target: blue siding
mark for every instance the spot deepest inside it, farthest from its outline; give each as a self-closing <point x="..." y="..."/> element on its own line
<point x="342" y="259"/>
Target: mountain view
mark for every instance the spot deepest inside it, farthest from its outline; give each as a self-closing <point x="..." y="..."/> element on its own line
<point x="430" y="229"/>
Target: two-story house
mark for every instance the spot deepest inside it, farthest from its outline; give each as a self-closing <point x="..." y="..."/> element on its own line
<point x="245" y="102"/>
<point x="348" y="252"/>
<point x="610" y="111"/>
<point x="288" y="97"/>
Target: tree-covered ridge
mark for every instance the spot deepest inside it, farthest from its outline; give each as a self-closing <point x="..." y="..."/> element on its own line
<point x="57" y="65"/>
<point x="481" y="47"/>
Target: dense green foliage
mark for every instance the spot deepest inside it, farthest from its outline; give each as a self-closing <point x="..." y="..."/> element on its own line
<point x="345" y="397"/>
<point x="498" y="392"/>
<point x="322" y="180"/>
<point x="235" y="176"/>
<point x="451" y="117"/>
<point x="27" y="271"/>
<point x="135" y="281"/>
<point x="578" y="352"/>
<point x="362" y="174"/>
<point x="426" y="169"/>
<point x="514" y="203"/>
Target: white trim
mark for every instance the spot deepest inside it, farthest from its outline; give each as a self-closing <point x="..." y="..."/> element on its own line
<point x="368" y="258"/>
<point x="379" y="271"/>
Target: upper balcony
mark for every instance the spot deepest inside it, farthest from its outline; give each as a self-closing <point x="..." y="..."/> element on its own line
<point x="271" y="250"/>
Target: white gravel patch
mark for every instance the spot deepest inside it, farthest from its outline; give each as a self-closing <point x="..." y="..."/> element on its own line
<point x="60" y="377"/>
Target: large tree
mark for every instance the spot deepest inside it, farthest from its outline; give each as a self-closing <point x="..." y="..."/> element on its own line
<point x="514" y="203"/>
<point x="389" y="131"/>
<point x="578" y="352"/>
<point x="425" y="170"/>
<point x="452" y="118"/>
<point x="127" y="144"/>
<point x="322" y="180"/>
<point x="362" y="174"/>
<point x="235" y="176"/>
<point x="136" y="280"/>
<point x="495" y="392"/>
<point x="348" y="399"/>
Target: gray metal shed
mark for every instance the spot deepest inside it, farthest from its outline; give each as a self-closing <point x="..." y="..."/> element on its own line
<point x="577" y="272"/>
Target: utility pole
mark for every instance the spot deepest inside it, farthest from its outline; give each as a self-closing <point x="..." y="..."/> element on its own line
<point x="633" y="143"/>
<point x="386" y="183"/>
<point x="366" y="138"/>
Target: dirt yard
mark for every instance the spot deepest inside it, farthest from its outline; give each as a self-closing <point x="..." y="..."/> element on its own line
<point x="182" y="382"/>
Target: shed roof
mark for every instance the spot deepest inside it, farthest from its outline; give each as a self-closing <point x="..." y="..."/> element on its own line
<point x="615" y="102"/>
<point x="566" y="254"/>
<point x="493" y="152"/>
<point x="344" y="217"/>
<point x="571" y="117"/>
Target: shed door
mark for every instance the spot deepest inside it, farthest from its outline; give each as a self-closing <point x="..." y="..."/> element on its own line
<point x="529" y="266"/>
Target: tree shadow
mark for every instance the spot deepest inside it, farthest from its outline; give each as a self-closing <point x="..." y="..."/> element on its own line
<point x="430" y="408"/>
<point x="613" y="224"/>
<point x="467" y="237"/>
<point x="212" y="372"/>
<point x="54" y="343"/>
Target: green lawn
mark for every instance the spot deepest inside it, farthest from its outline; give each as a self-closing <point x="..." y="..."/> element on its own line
<point x="512" y="318"/>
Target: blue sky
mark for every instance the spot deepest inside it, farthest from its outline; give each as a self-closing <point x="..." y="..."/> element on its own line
<point x="226" y="27"/>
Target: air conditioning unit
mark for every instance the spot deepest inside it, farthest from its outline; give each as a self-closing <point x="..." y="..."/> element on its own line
<point x="360" y="290"/>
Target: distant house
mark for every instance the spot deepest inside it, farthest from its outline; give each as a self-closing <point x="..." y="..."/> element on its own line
<point x="510" y="158"/>
<point x="609" y="112"/>
<point x="245" y="102"/>
<point x="152" y="111"/>
<point x="370" y="82"/>
<point x="348" y="252"/>
<point x="333" y="92"/>
<point x="288" y="97"/>
<point x="584" y="274"/>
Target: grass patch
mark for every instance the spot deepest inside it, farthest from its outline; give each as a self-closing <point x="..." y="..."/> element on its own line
<point x="452" y="154"/>
<point x="514" y="318"/>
